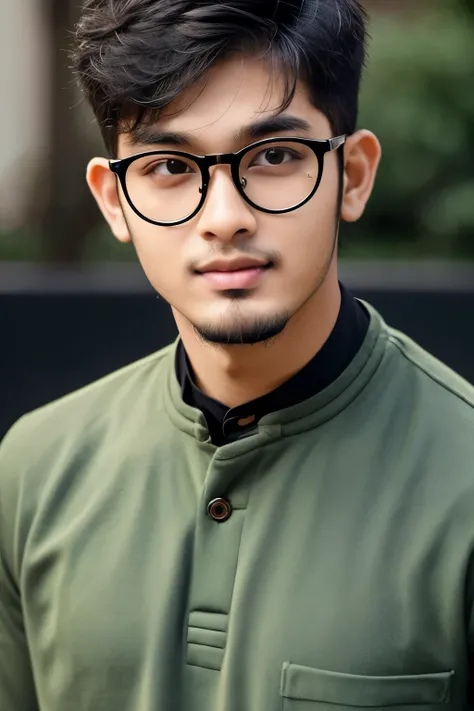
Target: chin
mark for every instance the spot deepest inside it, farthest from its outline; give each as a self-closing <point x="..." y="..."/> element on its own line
<point x="250" y="331"/>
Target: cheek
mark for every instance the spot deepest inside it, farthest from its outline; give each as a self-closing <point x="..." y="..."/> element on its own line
<point x="310" y="237"/>
<point x="307" y="244"/>
<point x="159" y="253"/>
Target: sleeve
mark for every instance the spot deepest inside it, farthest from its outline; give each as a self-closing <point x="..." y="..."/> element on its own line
<point x="17" y="689"/>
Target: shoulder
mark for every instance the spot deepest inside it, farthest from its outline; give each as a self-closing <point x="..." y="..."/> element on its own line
<point x="440" y="383"/>
<point x="430" y="414"/>
<point x="70" y="429"/>
<point x="97" y="399"/>
<point x="418" y="416"/>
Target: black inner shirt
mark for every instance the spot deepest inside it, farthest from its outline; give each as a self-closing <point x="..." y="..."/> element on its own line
<point x="227" y="425"/>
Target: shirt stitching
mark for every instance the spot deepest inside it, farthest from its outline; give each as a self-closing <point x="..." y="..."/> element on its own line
<point x="399" y="345"/>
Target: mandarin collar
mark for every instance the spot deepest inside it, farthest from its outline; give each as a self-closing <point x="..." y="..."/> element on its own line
<point x="230" y="424"/>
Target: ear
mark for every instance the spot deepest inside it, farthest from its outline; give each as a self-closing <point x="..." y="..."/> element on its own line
<point x="103" y="185"/>
<point x="362" y="154"/>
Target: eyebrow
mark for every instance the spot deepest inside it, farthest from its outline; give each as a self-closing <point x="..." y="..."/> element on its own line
<point x="145" y="135"/>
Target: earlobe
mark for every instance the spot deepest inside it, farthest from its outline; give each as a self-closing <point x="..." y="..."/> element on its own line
<point x="103" y="186"/>
<point x="362" y="158"/>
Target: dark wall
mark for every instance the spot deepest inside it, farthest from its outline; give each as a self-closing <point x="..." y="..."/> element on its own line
<point x="53" y="344"/>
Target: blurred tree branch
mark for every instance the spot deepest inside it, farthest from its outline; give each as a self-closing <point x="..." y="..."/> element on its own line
<point x="69" y="212"/>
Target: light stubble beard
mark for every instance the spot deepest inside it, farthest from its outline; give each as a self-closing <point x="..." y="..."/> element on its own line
<point x="266" y="329"/>
<point x="263" y="329"/>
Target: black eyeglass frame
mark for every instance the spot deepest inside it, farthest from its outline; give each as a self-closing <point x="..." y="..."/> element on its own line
<point x="318" y="146"/>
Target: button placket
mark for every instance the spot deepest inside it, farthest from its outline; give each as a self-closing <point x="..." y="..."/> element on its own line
<point x="216" y="553"/>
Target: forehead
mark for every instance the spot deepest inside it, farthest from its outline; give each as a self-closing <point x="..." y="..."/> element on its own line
<point x="234" y="94"/>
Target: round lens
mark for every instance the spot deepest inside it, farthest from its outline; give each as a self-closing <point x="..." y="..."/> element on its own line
<point x="278" y="176"/>
<point x="164" y="187"/>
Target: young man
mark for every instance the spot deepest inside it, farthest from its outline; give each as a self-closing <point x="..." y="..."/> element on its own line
<point x="277" y="511"/>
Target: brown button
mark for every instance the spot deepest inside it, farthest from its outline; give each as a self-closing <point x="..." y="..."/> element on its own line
<point x="246" y="421"/>
<point x="220" y="510"/>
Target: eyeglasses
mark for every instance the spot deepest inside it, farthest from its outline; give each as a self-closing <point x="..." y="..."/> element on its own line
<point x="276" y="175"/>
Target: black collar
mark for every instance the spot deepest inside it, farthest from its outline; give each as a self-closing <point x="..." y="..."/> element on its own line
<point x="226" y="425"/>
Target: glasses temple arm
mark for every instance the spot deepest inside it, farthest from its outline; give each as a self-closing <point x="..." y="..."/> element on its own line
<point x="336" y="143"/>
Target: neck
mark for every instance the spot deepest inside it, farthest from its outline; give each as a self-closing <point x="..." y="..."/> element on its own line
<point x="235" y="375"/>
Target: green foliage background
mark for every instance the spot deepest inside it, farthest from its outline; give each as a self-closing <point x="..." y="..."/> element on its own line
<point x="418" y="97"/>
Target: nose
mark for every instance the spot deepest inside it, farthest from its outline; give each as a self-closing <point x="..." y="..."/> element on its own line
<point x="225" y="213"/>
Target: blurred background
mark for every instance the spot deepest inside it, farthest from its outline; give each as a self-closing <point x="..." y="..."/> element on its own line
<point x="74" y="304"/>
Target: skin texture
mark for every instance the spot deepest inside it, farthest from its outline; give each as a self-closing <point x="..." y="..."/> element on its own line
<point x="296" y="302"/>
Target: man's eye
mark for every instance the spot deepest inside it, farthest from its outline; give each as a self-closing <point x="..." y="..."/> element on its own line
<point x="170" y="166"/>
<point x="274" y="157"/>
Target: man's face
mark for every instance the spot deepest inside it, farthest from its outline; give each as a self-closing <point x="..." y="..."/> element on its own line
<point x="297" y="247"/>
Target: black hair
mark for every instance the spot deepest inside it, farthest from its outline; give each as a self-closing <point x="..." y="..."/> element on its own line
<point x="134" y="57"/>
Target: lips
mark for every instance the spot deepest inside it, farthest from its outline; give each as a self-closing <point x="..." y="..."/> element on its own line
<point x="235" y="277"/>
<point x="233" y="265"/>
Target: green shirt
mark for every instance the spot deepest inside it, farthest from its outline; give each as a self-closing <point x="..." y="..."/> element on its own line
<point x="343" y="577"/>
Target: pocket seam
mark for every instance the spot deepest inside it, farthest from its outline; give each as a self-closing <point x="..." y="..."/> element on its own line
<point x="436" y="690"/>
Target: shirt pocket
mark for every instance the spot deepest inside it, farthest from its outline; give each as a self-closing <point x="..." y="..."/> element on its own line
<point x="300" y="685"/>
